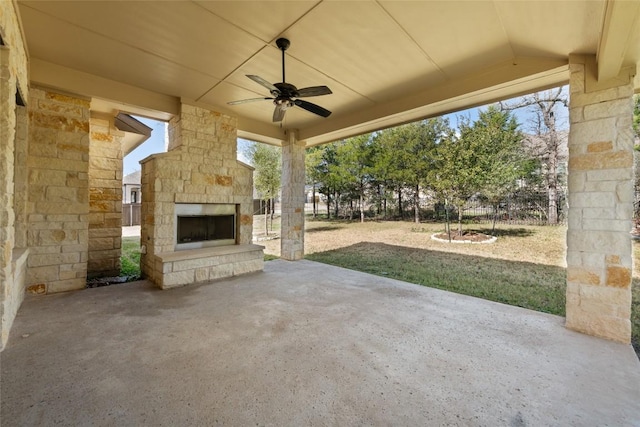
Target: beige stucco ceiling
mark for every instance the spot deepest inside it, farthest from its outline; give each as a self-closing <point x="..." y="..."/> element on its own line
<point x="387" y="62"/>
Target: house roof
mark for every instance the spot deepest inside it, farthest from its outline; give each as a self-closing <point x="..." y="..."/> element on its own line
<point x="135" y="132"/>
<point x="387" y="62"/>
<point x="133" y="178"/>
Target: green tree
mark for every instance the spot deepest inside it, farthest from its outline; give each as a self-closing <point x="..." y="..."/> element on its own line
<point x="381" y="175"/>
<point x="313" y="172"/>
<point x="354" y="167"/>
<point x="393" y="157"/>
<point x="323" y="166"/>
<point x="502" y="161"/>
<point x="337" y="178"/>
<point x="456" y="175"/>
<point x="404" y="156"/>
<point x="483" y="158"/>
<point x="428" y="134"/>
<point x="267" y="161"/>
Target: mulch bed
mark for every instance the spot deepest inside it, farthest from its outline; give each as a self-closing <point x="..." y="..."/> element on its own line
<point x="107" y="281"/>
<point x="469" y="236"/>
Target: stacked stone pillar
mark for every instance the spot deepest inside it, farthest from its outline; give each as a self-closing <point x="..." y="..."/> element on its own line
<point x="58" y="206"/>
<point x="7" y="215"/>
<point x="599" y="252"/>
<point x="13" y="126"/>
<point x="293" y="181"/>
<point x="105" y="197"/>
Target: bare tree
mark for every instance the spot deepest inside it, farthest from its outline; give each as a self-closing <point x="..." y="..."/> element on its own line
<point x="549" y="143"/>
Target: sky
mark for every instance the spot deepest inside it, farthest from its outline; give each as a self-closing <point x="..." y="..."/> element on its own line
<point x="156" y="143"/>
<point x="524" y="116"/>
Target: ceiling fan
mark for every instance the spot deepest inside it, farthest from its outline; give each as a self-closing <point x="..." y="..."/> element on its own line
<point x="285" y="95"/>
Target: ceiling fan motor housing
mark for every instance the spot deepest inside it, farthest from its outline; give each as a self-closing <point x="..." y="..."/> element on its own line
<point x="286" y="89"/>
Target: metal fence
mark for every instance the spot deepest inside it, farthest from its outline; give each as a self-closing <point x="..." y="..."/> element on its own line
<point x="520" y="208"/>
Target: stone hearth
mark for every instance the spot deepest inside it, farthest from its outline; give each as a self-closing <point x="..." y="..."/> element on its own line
<point x="198" y="175"/>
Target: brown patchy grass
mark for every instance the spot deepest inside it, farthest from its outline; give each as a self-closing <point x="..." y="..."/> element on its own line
<point x="542" y="245"/>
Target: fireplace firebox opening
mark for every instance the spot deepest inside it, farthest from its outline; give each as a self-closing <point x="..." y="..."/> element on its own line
<point x="204" y="225"/>
<point x="203" y="228"/>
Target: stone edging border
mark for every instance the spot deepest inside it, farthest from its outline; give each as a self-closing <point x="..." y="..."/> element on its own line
<point x="437" y="239"/>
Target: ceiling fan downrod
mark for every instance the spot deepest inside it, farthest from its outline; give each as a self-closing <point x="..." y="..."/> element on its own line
<point x="283" y="44"/>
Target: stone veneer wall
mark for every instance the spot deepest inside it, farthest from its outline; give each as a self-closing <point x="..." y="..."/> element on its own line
<point x="13" y="79"/>
<point x="599" y="255"/>
<point x="201" y="167"/>
<point x="12" y="39"/>
<point x="105" y="197"/>
<point x="58" y="166"/>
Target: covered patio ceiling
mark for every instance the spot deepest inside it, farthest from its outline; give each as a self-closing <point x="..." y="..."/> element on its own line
<point x="387" y="62"/>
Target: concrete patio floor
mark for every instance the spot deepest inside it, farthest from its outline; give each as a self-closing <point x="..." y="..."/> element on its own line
<point x="306" y="344"/>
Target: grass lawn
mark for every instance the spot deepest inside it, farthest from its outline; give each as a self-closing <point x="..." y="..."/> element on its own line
<point x="130" y="258"/>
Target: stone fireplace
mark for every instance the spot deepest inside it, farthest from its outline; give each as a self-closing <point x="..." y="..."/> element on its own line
<point x="197" y="204"/>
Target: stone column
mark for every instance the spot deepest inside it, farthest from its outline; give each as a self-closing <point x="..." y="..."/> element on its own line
<point x="292" y="226"/>
<point x="599" y="253"/>
<point x="14" y="89"/>
<point x="7" y="216"/>
<point x="105" y="197"/>
<point x="58" y="206"/>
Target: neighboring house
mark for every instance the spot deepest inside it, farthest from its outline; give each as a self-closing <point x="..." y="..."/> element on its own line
<point x="131" y="190"/>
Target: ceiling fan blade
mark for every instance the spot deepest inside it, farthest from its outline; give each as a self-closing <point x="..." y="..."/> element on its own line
<point x="313" y="108"/>
<point x="278" y="113"/>
<point x="263" y="82"/>
<point x="313" y="91"/>
<point x="244" y="101"/>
